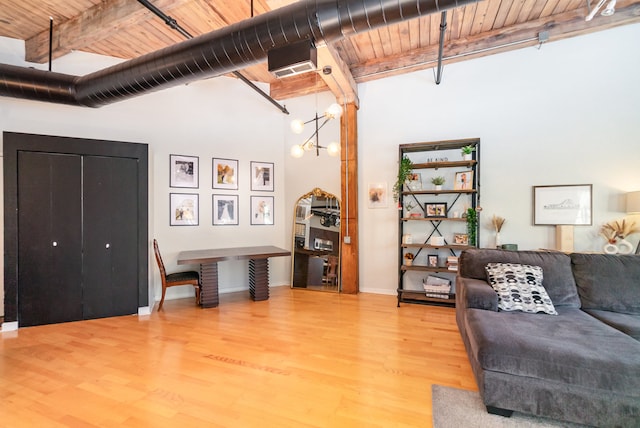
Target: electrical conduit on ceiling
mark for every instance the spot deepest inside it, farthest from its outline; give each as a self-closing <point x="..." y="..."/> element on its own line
<point x="216" y="53"/>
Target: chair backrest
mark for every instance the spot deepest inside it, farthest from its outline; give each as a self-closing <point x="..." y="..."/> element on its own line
<point x="332" y="265"/>
<point x="163" y="273"/>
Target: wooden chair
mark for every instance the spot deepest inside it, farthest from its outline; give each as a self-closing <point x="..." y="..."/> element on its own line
<point x="178" y="278"/>
<point x="332" y="270"/>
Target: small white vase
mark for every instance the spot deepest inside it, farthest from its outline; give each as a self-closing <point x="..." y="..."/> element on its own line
<point x="438" y="187"/>
<point x="466" y="156"/>
<point x="610" y="248"/>
<point x="498" y="240"/>
<point x="624" y="247"/>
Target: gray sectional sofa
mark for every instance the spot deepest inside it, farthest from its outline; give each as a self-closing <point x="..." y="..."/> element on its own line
<point x="581" y="365"/>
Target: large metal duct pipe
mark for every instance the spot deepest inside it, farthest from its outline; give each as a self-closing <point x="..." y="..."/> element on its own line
<point x="219" y="52"/>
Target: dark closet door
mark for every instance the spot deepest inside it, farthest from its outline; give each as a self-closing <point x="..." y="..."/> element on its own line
<point x="49" y="238"/>
<point x="110" y="236"/>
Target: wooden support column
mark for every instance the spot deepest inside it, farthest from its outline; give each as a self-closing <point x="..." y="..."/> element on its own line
<point x="349" y="197"/>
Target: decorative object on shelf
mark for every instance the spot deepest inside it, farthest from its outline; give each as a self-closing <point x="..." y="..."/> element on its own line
<point x="463" y="181"/>
<point x="407" y="239"/>
<point x="497" y="223"/>
<point x="408" y="259"/>
<point x="438" y="182"/>
<point x="432" y="260"/>
<point x="414" y="181"/>
<point x="460" y="239"/>
<point x="404" y="170"/>
<point x="472" y="225"/>
<point x="436" y="241"/>
<point x="435" y="210"/>
<point x="467" y="152"/>
<point x="334" y="111"/>
<point x="615" y="233"/>
<point x="409" y="206"/>
<point x="562" y="205"/>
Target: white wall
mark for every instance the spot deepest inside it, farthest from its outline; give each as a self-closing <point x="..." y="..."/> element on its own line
<point x="565" y="114"/>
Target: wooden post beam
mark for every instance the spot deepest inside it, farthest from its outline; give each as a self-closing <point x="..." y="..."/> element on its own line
<point x="349" y="196"/>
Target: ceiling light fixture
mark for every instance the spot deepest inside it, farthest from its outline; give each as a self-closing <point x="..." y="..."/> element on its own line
<point x="334" y="111"/>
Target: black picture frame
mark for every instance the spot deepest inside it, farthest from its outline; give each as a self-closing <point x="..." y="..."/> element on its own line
<point x="224" y="210"/>
<point x="262" y="176"/>
<point x="184" y="171"/>
<point x="435" y="210"/>
<point x="184" y="209"/>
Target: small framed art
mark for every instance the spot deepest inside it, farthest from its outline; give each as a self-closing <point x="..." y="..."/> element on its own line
<point x="225" y="210"/>
<point x="262" y="176"/>
<point x="435" y="209"/>
<point x="562" y="205"/>
<point x="460" y="239"/>
<point x="463" y="180"/>
<point x="377" y="195"/>
<point x="184" y="171"/>
<point x="262" y="210"/>
<point x="184" y="209"/>
<point x="432" y="260"/>
<point x="225" y="174"/>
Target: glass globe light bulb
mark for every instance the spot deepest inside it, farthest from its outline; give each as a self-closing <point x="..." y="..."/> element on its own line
<point x="333" y="149"/>
<point x="297" y="126"/>
<point x="297" y="151"/>
<point x="334" y="111"/>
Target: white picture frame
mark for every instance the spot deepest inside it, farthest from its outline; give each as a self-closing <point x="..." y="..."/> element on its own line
<point x="563" y="205"/>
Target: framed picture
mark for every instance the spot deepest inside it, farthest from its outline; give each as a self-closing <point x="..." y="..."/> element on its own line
<point x="225" y="174"/>
<point x="184" y="209"/>
<point x="460" y="239"/>
<point x="262" y="176"/>
<point x="414" y="181"/>
<point x="377" y="195"/>
<point x="184" y="171"/>
<point x="435" y="209"/>
<point x="432" y="260"/>
<point x="463" y="180"/>
<point x="562" y="205"/>
<point x="225" y="210"/>
<point x="262" y="210"/>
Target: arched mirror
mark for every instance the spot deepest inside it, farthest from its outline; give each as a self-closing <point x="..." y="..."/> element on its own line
<point x="316" y="242"/>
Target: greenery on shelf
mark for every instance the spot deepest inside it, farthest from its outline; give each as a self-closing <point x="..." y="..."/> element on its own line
<point x="472" y="225"/>
<point x="438" y="181"/>
<point x="466" y="150"/>
<point x="404" y="169"/>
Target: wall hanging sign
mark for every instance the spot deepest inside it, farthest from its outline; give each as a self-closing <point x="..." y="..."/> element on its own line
<point x="184" y="209"/>
<point x="562" y="205"/>
<point x="262" y="176"/>
<point x="184" y="171"/>
<point x="262" y="210"/>
<point x="225" y="210"/>
<point x="225" y="174"/>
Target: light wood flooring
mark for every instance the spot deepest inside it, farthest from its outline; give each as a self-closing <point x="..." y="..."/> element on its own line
<point x="300" y="359"/>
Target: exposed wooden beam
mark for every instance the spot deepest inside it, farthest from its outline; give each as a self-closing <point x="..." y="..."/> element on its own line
<point x="562" y="26"/>
<point x="93" y="25"/>
<point x="296" y="86"/>
<point x="340" y="81"/>
<point x="349" y="196"/>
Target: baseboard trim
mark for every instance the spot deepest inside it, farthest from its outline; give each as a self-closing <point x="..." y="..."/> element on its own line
<point x="9" y="326"/>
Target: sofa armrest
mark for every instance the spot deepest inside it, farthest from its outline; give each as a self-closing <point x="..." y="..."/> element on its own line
<point x="475" y="293"/>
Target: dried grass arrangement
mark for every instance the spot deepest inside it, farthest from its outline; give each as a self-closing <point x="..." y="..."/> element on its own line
<point x="618" y="229"/>
<point x="497" y="222"/>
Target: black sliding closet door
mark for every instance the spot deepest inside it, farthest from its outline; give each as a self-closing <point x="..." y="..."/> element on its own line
<point x="110" y="236"/>
<point x="49" y="238"/>
<point x="78" y="237"/>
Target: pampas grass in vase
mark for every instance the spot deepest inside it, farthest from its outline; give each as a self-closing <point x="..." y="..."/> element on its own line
<point x="497" y="223"/>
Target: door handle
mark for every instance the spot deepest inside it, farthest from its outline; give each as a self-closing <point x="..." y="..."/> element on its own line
<point x="54" y="244"/>
<point x="107" y="246"/>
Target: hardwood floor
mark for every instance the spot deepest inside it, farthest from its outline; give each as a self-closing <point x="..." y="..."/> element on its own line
<point x="299" y="359"/>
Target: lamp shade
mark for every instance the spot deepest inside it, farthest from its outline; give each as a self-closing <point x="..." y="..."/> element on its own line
<point x="297" y="126"/>
<point x="333" y="149"/>
<point x="633" y="202"/>
<point x="297" y="151"/>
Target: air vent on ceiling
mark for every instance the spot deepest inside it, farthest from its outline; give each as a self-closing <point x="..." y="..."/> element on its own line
<point x="297" y="58"/>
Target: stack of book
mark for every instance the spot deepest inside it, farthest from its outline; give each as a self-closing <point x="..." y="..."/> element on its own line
<point x="452" y="263"/>
<point x="435" y="286"/>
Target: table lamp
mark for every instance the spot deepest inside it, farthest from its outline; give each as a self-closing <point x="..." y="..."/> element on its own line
<point x="633" y="207"/>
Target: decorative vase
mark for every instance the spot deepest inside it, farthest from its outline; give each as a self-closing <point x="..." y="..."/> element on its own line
<point x="610" y="248"/>
<point x="624" y="247"/>
<point x="498" y="240"/>
<point x="438" y="187"/>
<point x="466" y="156"/>
<point x="408" y="262"/>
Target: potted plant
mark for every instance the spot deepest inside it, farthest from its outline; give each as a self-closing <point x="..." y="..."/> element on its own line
<point x="438" y="182"/>
<point x="408" y="258"/>
<point x="472" y="225"/>
<point x="404" y="170"/>
<point x="466" y="152"/>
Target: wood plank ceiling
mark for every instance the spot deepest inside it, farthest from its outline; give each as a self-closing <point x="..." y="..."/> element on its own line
<point x="126" y="29"/>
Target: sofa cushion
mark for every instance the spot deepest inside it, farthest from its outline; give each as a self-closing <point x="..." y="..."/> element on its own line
<point x="608" y="282"/>
<point x="519" y="288"/>
<point x="626" y="323"/>
<point x="558" y="277"/>
<point x="572" y="347"/>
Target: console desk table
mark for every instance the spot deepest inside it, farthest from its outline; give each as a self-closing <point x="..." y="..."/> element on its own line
<point x="208" y="260"/>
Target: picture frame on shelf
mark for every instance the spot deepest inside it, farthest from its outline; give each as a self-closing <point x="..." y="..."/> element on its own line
<point x="225" y="174"/>
<point x="563" y="205"/>
<point x="414" y="181"/>
<point x="432" y="260"/>
<point x="225" y="210"/>
<point x="184" y="209"/>
<point x="435" y="210"/>
<point x="262" y="210"/>
<point x="460" y="239"/>
<point x="184" y="171"/>
<point x="463" y="180"/>
<point x="262" y="176"/>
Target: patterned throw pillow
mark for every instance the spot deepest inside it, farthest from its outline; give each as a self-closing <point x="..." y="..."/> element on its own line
<point x="519" y="288"/>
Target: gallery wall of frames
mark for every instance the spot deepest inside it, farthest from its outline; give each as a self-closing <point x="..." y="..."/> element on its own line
<point x="225" y="174"/>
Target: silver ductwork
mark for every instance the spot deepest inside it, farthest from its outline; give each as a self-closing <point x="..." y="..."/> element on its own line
<point x="216" y="53"/>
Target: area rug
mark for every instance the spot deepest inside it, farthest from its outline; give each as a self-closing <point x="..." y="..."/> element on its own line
<point x="457" y="408"/>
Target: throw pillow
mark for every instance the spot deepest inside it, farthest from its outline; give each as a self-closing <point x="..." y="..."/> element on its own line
<point x="519" y="288"/>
